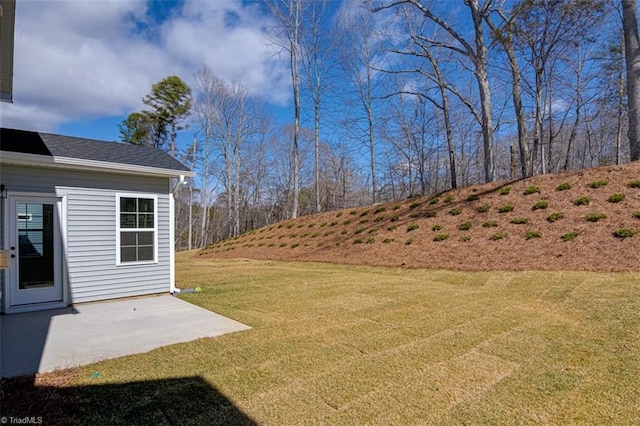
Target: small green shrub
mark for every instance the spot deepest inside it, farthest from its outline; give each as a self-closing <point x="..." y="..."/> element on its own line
<point x="289" y="226"/>
<point x="372" y="230"/>
<point x="311" y="225"/>
<point x="616" y="198"/>
<point x="506" y="208"/>
<point x="455" y="212"/>
<point x="594" y="217"/>
<point x="582" y="201"/>
<point x="357" y="241"/>
<point x="283" y="244"/>
<point x="498" y="236"/>
<point x="483" y="208"/>
<point x="449" y="199"/>
<point x="333" y="223"/>
<point x="388" y="240"/>
<point x="378" y="219"/>
<point x="364" y="213"/>
<point x="323" y="224"/>
<point x="379" y="210"/>
<point x="413" y="215"/>
<point x="554" y="217"/>
<point x="436" y="227"/>
<point x="396" y="207"/>
<point x="569" y="236"/>
<point x="294" y="245"/>
<point x="625" y="233"/>
<point x="539" y="205"/>
<point x="412" y="227"/>
<point x="359" y="231"/>
<point x="440" y="237"/>
<point x="353" y="212"/>
<point x="371" y="240"/>
<point x="346" y="222"/>
<point x="490" y="224"/>
<point x="293" y="235"/>
<point x="392" y="228"/>
<point x="636" y="214"/>
<point x="314" y="235"/>
<point x="414" y="205"/>
<point x="505" y="190"/>
<point x="395" y="218"/>
<point x="533" y="234"/>
<point x="634" y="184"/>
<point x="430" y="213"/>
<point x="464" y="226"/>
<point x="473" y="197"/>
<point x="326" y="234"/>
<point x="434" y="201"/>
<point x="344" y="231"/>
<point x="598" y="184"/>
<point x="465" y="238"/>
<point x="563" y="186"/>
<point x="304" y="235"/>
<point x="531" y="190"/>
<point x="364" y="220"/>
<point x="409" y="241"/>
<point x="338" y="214"/>
<point x="271" y="245"/>
<point x="520" y="221"/>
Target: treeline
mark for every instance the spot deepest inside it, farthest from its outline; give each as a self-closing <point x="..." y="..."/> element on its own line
<point x="400" y="98"/>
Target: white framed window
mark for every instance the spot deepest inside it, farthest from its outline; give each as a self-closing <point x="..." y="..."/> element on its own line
<point x="136" y="228"/>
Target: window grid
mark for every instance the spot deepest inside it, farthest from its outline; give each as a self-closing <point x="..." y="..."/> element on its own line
<point x="137" y="229"/>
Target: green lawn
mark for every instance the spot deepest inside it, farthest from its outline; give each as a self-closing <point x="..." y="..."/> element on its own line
<point x="360" y="345"/>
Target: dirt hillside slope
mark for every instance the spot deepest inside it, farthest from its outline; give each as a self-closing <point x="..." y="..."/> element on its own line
<point x="566" y="221"/>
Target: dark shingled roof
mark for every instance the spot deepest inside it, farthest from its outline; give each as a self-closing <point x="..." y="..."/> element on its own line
<point x="86" y="149"/>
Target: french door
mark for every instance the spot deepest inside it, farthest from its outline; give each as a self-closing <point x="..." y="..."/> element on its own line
<point x="35" y="241"/>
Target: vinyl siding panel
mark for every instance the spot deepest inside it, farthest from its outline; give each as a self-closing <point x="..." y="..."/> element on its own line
<point x="92" y="273"/>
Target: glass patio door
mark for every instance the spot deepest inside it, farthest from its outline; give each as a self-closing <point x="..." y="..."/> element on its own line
<point x="36" y="251"/>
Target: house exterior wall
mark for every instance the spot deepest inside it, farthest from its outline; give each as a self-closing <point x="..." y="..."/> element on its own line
<point x="90" y="217"/>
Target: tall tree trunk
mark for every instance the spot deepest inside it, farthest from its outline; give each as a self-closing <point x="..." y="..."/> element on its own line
<point x="620" y="108"/>
<point x="480" y="60"/>
<point x="632" y="57"/>
<point x="296" y="123"/>
<point x="236" y="190"/>
<point x="519" y="109"/>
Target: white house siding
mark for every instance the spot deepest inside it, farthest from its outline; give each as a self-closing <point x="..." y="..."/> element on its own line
<point x="90" y="255"/>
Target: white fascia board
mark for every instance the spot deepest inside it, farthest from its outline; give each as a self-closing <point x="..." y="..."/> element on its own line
<point x="23" y="159"/>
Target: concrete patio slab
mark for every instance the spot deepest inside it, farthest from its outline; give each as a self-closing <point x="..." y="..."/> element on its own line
<point x="44" y="341"/>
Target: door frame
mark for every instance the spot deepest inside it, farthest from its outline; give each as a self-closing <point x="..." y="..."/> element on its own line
<point x="10" y="233"/>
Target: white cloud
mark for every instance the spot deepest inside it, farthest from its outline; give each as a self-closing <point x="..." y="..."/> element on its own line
<point x="81" y="60"/>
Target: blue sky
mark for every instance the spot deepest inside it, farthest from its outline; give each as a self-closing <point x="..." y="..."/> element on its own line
<point x="81" y="66"/>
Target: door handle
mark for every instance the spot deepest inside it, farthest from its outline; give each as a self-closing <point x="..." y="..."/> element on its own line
<point x="13" y="256"/>
<point x="13" y="248"/>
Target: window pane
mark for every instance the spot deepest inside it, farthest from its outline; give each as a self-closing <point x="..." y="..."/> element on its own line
<point x="127" y="239"/>
<point x="145" y="253"/>
<point x="145" y="238"/>
<point x="128" y="220"/>
<point x="145" y="220"/>
<point x="128" y="204"/>
<point x="128" y="254"/>
<point x="145" y="205"/>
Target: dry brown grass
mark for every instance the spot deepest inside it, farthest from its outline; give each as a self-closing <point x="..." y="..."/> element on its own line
<point x="336" y="344"/>
<point x="330" y="236"/>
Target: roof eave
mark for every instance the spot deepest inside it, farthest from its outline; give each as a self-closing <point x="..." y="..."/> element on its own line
<point x="18" y="158"/>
